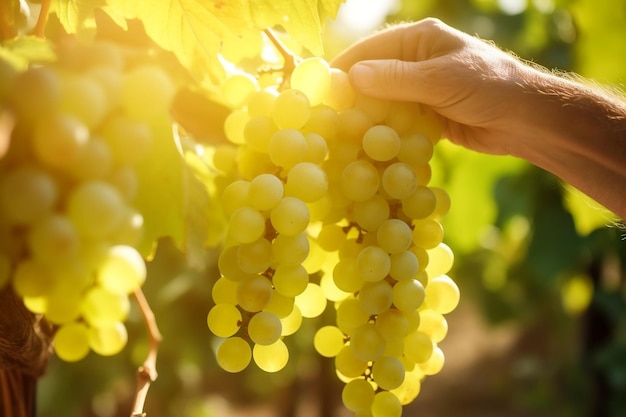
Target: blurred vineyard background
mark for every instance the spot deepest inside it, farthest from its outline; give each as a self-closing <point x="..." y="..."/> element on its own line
<point x="541" y="328"/>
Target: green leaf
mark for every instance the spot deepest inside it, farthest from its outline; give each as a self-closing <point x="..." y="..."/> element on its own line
<point x="77" y="16"/>
<point x="173" y="202"/>
<point x="22" y="50"/>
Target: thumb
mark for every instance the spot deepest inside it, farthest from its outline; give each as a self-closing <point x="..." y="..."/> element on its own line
<point x="391" y="79"/>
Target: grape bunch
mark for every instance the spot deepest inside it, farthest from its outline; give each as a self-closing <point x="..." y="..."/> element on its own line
<point x="326" y="195"/>
<point x="68" y="227"/>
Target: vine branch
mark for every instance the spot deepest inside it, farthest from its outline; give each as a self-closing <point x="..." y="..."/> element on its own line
<point x="146" y="374"/>
<point x="291" y="60"/>
<point x="40" y="27"/>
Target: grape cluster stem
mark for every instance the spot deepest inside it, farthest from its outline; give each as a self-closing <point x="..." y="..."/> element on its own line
<point x="146" y="373"/>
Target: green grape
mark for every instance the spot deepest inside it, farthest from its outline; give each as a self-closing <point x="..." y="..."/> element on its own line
<point x="392" y="324"/>
<point x="381" y="143"/>
<point x="312" y="301"/>
<point x="280" y="305"/>
<point x="386" y="404"/>
<point x="399" y="180"/>
<point x="123" y="270"/>
<point x="235" y="196"/>
<point x="53" y="240"/>
<point x="376" y="297"/>
<point x="353" y="124"/>
<point x="35" y="92"/>
<point x="348" y="365"/>
<point x="147" y="92"/>
<point x="418" y="347"/>
<point x="415" y="149"/>
<point x="331" y="237"/>
<point x="254" y="293"/>
<point x="237" y="88"/>
<point x="332" y="292"/>
<point x="373" y="263"/>
<point x="410" y="387"/>
<point x="290" y="216"/>
<point x="261" y="103"/>
<point x="96" y="208"/>
<point x="307" y="182"/>
<point x="95" y="161"/>
<point x="252" y="163"/>
<point x="234" y="354"/>
<point x="329" y="341"/>
<point x="271" y="358"/>
<point x="235" y="126"/>
<point x="388" y="372"/>
<point x="258" y="133"/>
<point x="224" y="320"/>
<point x="316" y="148"/>
<point x="32" y="279"/>
<point x="27" y="194"/>
<point x="408" y="294"/>
<point x="265" y="191"/>
<point x="108" y="339"/>
<point x="129" y="140"/>
<point x="441" y="260"/>
<point x="224" y="291"/>
<point x="420" y="204"/>
<point x="8" y="75"/>
<point x="367" y="343"/>
<point x="341" y="95"/>
<point x="346" y="275"/>
<point x="433" y="324"/>
<point x="228" y="264"/>
<point x="110" y="80"/>
<point x="130" y="229"/>
<point x="358" y="395"/>
<point x="291" y="109"/>
<point x="292" y="322"/>
<point x="101" y="307"/>
<point x="434" y="365"/>
<point x="312" y="77"/>
<point x="376" y="109"/>
<point x="255" y="257"/>
<point x="442" y="294"/>
<point x="401" y="117"/>
<point x="84" y="98"/>
<point x="394" y="236"/>
<point x="371" y="213"/>
<point x="351" y="315"/>
<point x="225" y="158"/>
<point x="58" y="139"/>
<point x="360" y="180"/>
<point x="290" y="249"/>
<point x="404" y="265"/>
<point x="246" y="225"/>
<point x="287" y="147"/>
<point x="442" y="205"/>
<point x="71" y="342"/>
<point x="427" y="233"/>
<point x="63" y="305"/>
<point x="324" y="122"/>
<point x="264" y="328"/>
<point x="290" y="279"/>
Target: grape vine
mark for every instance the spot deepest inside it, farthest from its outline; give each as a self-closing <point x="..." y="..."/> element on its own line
<point x="325" y="193"/>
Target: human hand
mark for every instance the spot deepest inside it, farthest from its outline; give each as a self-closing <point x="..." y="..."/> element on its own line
<point x="477" y="89"/>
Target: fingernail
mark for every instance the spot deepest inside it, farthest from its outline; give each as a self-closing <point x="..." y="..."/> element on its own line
<point x="362" y="76"/>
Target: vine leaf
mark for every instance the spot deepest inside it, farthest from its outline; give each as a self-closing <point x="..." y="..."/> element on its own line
<point x="193" y="29"/>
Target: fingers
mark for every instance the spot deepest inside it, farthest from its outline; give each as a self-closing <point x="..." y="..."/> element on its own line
<point x="417" y="41"/>
<point x="392" y="79"/>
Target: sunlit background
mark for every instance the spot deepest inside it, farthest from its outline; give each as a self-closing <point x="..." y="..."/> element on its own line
<point x="541" y="329"/>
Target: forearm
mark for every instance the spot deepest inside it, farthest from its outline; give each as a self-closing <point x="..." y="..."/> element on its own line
<point x="577" y="132"/>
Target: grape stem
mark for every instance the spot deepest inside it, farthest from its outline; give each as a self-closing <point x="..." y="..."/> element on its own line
<point x="40" y="27"/>
<point x="146" y="373"/>
<point x="290" y="59"/>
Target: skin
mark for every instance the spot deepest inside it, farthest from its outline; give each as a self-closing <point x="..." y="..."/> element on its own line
<point x="492" y="102"/>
